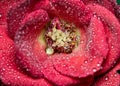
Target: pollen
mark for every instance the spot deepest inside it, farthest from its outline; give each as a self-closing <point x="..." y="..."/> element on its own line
<point x="61" y="37"/>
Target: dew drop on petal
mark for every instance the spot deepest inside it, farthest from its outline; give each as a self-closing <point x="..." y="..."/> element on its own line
<point x="91" y="59"/>
<point x="98" y="65"/>
<point x="18" y="77"/>
<point x="81" y="41"/>
<point x="0" y="15"/>
<point x="27" y="69"/>
<point x="106" y="78"/>
<point x="3" y="69"/>
<point x="85" y="61"/>
<point x="115" y="75"/>
<point x="88" y="73"/>
<point x="94" y="70"/>
<point x="112" y="47"/>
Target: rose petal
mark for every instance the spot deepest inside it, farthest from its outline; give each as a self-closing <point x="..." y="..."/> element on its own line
<point x="116" y="8"/>
<point x="112" y="78"/>
<point x="105" y="3"/>
<point x="25" y="40"/>
<point x="16" y="14"/>
<point x="97" y="42"/>
<point x="46" y="5"/>
<point x="42" y="4"/>
<point x="113" y="34"/>
<point x="72" y="11"/>
<point x="4" y="6"/>
<point x="59" y="79"/>
<point x="9" y="72"/>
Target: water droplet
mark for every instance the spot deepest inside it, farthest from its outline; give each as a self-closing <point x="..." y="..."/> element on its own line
<point x="85" y="61"/>
<point x="81" y="41"/>
<point x="27" y="69"/>
<point x="91" y="59"/>
<point x="106" y="78"/>
<point x="3" y="69"/>
<point x="94" y="70"/>
<point x="18" y="77"/>
<point x="112" y="47"/>
<point x="98" y="65"/>
<point x="0" y="15"/>
<point x="115" y="75"/>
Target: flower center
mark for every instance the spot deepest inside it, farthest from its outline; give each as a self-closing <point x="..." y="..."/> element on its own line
<point x="61" y="37"/>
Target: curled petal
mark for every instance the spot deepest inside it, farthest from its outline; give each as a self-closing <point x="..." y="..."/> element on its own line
<point x="46" y="5"/>
<point x="26" y="38"/>
<point x="4" y="6"/>
<point x="113" y="34"/>
<point x="9" y="72"/>
<point x="75" y="10"/>
<point x="17" y="13"/>
<point x="59" y="79"/>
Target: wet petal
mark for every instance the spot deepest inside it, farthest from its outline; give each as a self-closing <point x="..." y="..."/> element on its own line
<point x="16" y="14"/>
<point x="112" y="78"/>
<point x="10" y="74"/>
<point x="113" y="34"/>
<point x="105" y="3"/>
<point x="49" y="72"/>
<point x="72" y="11"/>
<point x="26" y="38"/>
<point x="4" y="6"/>
<point x="97" y="42"/>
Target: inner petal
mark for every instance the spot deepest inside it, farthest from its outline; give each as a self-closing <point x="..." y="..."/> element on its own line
<point x="61" y="37"/>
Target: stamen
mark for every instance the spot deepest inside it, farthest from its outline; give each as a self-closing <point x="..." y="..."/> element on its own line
<point x="61" y="37"/>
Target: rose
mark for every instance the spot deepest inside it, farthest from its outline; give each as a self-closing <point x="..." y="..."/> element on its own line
<point x="98" y="47"/>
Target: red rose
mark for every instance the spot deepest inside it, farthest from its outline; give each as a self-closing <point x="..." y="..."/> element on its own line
<point x="60" y="42"/>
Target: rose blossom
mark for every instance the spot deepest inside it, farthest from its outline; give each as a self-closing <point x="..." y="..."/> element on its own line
<point x="60" y="42"/>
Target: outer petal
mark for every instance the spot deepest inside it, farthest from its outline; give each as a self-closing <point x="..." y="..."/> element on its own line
<point x="112" y="78"/>
<point x="116" y="8"/>
<point x="59" y="79"/>
<point x="72" y="11"/>
<point x="87" y="59"/>
<point x="10" y="74"/>
<point x="46" y="5"/>
<point x="17" y="13"/>
<point x="105" y="3"/>
<point x="4" y="6"/>
<point x="113" y="34"/>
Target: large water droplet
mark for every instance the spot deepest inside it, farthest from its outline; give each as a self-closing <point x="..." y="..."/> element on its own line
<point x="106" y="78"/>
<point x="94" y="70"/>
